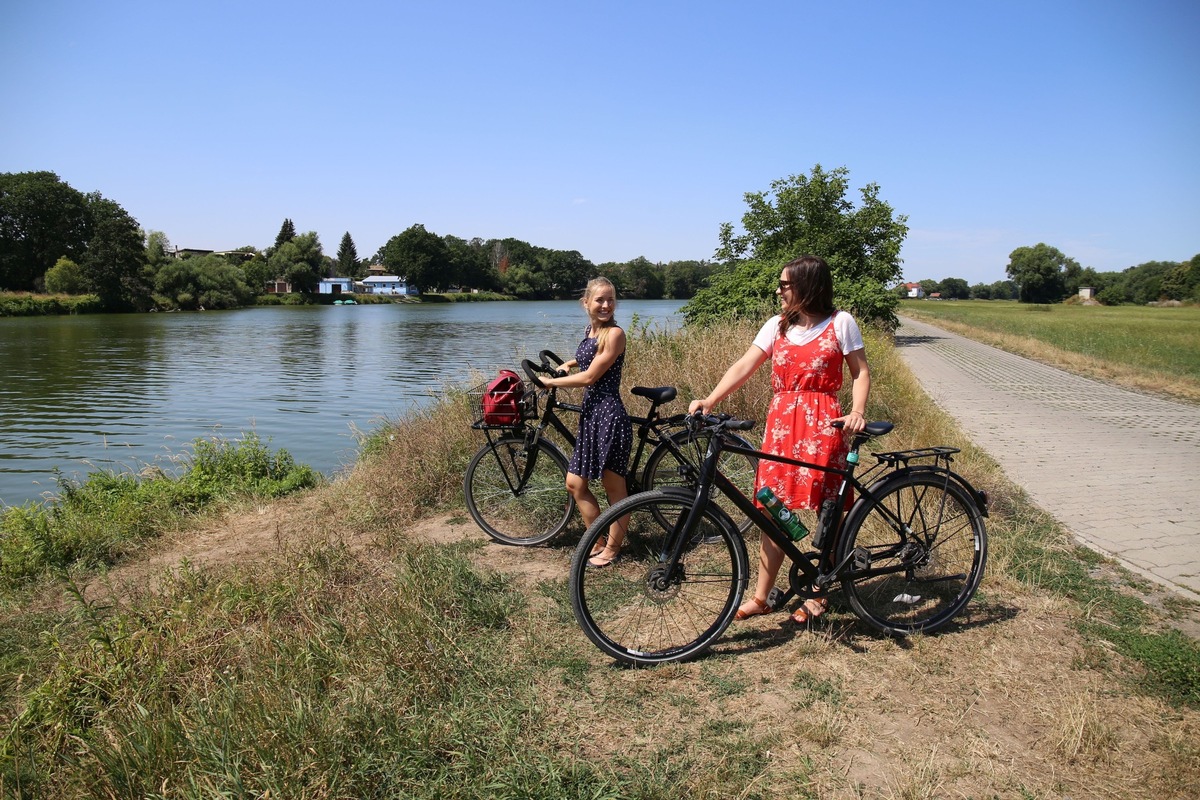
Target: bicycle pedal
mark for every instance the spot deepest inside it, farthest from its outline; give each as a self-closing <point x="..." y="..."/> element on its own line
<point x="860" y="558"/>
<point x="775" y="598"/>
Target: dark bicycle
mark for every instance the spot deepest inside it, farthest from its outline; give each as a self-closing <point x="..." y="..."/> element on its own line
<point x="515" y="484"/>
<point x="909" y="553"/>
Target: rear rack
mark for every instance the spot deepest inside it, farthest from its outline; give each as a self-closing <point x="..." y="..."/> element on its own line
<point x="902" y="457"/>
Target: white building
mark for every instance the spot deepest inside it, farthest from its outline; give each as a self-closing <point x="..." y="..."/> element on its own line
<point x="386" y="284"/>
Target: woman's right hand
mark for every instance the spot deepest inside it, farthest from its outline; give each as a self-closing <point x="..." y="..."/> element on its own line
<point x="699" y="406"/>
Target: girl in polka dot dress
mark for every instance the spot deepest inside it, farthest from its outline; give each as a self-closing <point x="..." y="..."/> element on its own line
<point x="605" y="433"/>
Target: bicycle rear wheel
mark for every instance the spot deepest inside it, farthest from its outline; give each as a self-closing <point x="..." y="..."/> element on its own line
<point x="664" y="469"/>
<point x="640" y="610"/>
<point x="920" y="548"/>
<point x="512" y="512"/>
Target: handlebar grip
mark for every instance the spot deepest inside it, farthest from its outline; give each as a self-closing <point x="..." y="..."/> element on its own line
<point x="532" y="370"/>
<point x="550" y="356"/>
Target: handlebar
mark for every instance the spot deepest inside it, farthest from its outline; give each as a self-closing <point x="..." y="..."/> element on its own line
<point x="549" y="357"/>
<point x="532" y="370"/>
<point x="698" y="421"/>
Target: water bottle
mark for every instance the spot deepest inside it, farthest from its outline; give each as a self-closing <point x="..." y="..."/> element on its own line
<point x="787" y="520"/>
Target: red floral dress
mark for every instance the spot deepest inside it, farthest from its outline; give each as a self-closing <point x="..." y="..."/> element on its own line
<point x="805" y="379"/>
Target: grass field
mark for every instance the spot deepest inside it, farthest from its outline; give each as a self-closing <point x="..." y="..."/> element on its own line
<point x="1149" y="348"/>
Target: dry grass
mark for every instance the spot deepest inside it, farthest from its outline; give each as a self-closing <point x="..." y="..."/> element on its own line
<point x="1010" y="701"/>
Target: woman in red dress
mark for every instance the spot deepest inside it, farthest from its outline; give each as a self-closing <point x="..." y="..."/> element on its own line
<point x="808" y="343"/>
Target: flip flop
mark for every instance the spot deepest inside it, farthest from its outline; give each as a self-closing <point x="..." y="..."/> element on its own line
<point x="809" y="610"/>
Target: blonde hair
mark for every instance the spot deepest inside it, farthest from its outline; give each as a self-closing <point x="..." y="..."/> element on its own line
<point x="593" y="286"/>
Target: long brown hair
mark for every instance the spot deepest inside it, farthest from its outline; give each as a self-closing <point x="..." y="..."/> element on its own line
<point x="812" y="290"/>
<point x="593" y="286"/>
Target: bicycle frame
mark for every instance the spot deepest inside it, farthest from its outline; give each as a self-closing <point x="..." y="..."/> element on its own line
<point x="829" y="517"/>
<point x="648" y="434"/>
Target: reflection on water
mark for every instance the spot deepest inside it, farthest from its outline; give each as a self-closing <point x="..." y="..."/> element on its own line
<point x="122" y="391"/>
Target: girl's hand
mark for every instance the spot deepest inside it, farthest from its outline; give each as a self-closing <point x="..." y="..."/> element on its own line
<point x="702" y="406"/>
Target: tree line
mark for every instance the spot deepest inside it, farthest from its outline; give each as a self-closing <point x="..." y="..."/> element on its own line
<point x="1044" y="274"/>
<point x="56" y="239"/>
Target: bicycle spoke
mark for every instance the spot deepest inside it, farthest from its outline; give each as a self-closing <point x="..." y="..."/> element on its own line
<point x="639" y="609"/>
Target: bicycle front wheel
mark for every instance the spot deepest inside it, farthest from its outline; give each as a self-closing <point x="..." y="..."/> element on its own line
<point x="518" y="495"/>
<point x="642" y="610"/>
<point x="664" y="469"/>
<point x="919" y="548"/>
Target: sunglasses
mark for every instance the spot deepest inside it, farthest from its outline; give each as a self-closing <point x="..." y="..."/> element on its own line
<point x="785" y="285"/>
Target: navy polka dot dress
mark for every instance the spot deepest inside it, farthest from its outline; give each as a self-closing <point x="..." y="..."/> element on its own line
<point x="605" y="432"/>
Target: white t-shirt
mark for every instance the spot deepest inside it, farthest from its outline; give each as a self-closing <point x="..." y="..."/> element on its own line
<point x="848" y="333"/>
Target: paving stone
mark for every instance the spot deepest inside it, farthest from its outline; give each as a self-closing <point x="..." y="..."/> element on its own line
<point x="1114" y="465"/>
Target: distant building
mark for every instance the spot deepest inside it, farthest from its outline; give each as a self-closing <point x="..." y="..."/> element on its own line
<point x="386" y="284"/>
<point x="914" y="290"/>
<point x="1087" y="292"/>
<point x="336" y="286"/>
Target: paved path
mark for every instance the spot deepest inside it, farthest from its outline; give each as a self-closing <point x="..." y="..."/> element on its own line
<point x="1119" y="469"/>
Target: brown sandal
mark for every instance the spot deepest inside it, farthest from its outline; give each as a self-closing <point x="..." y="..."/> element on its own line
<point x="599" y="547"/>
<point x="809" y="610"/>
<point x="757" y="608"/>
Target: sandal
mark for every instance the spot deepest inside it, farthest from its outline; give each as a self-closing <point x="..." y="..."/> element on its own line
<point x="809" y="610"/>
<point x="600" y="561"/>
<point x="752" y="608"/>
<point x="599" y="547"/>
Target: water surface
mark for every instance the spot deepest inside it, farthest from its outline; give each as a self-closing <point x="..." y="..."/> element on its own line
<point x="124" y="391"/>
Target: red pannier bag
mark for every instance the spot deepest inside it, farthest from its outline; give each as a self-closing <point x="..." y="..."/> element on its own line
<point x="502" y="399"/>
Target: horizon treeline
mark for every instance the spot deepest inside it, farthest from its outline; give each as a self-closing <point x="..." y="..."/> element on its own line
<point x="58" y="240"/>
<point x="1044" y="274"/>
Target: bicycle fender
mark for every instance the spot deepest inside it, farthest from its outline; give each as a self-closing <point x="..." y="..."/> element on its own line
<point x="979" y="497"/>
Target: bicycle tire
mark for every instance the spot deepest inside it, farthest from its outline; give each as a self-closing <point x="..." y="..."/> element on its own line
<point x="636" y="614"/>
<point x="920" y="577"/>
<point x="538" y="511"/>
<point x="663" y="469"/>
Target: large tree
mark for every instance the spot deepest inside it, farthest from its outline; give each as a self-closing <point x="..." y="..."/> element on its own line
<point x="566" y="271"/>
<point x="300" y="262"/>
<point x="807" y="214"/>
<point x="419" y="257"/>
<point x="287" y="232"/>
<point x="347" y="258"/>
<point x="471" y="262"/>
<point x="204" y="282"/>
<point x="954" y="289"/>
<point x="42" y="219"/>
<point x="113" y="264"/>
<point x="1040" y="273"/>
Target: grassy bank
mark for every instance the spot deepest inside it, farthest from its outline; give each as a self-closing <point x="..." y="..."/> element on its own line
<point x="26" y="304"/>
<point x="365" y="641"/>
<point x="1144" y="347"/>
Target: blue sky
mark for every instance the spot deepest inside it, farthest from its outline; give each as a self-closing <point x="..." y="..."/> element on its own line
<point x="619" y="129"/>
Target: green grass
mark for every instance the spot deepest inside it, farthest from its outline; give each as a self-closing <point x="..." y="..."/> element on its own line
<point x="93" y="523"/>
<point x="1165" y="340"/>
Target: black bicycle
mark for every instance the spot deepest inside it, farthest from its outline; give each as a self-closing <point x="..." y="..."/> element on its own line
<point x="515" y="484"/>
<point x="909" y="553"/>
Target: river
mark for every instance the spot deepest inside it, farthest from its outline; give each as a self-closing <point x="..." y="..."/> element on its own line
<point x="121" y="392"/>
